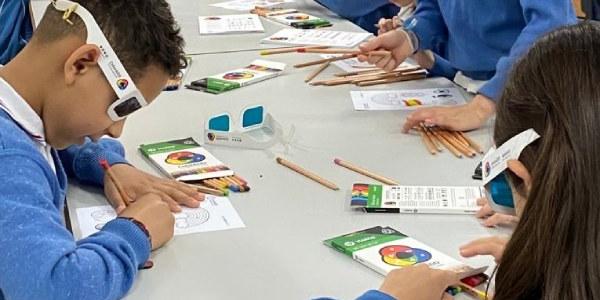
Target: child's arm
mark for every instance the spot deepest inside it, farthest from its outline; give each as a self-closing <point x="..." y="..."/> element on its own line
<point x="428" y="25"/>
<point x="40" y="259"/>
<point x="541" y="17"/>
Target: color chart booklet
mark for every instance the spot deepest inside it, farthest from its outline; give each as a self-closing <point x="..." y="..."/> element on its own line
<point x="257" y="71"/>
<point x="406" y="99"/>
<point x="416" y="199"/>
<point x="300" y="37"/>
<point x="246" y="23"/>
<point x="184" y="160"/>
<point x="384" y="249"/>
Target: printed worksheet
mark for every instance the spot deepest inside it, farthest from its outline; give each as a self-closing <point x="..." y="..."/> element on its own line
<point x="214" y="213"/>
<point x="406" y="99"/>
<point x="245" y="23"/>
<point x="247" y="5"/>
<point x="301" y="37"/>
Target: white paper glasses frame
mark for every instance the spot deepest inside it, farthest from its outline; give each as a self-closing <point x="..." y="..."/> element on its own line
<point x="129" y="97"/>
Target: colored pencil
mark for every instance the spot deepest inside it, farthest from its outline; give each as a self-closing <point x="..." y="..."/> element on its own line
<point x="473" y="291"/>
<point x="427" y="140"/>
<point x="325" y="60"/>
<point x="206" y="190"/>
<point x="365" y="172"/>
<point x="390" y="80"/>
<point x="317" y="72"/>
<point x="307" y="173"/>
<point x="241" y="180"/>
<point x="344" y="51"/>
<point x="473" y="144"/>
<point x="458" y="145"/>
<point x="446" y="144"/>
<point x="290" y="50"/>
<point x="104" y="164"/>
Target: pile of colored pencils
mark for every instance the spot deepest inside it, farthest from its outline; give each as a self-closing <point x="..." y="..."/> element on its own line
<point x="361" y="78"/>
<point x="222" y="185"/>
<point x="457" y="142"/>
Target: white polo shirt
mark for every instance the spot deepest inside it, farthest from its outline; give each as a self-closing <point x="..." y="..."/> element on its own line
<point x="26" y="118"/>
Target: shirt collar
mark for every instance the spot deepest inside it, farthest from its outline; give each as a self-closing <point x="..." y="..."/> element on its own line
<point x="20" y="111"/>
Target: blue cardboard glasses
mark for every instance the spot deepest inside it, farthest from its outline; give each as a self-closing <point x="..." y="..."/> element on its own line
<point x="250" y="118"/>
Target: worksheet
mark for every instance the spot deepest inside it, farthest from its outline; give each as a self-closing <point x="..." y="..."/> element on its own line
<point x="406" y="99"/>
<point x="245" y="23"/>
<point x="214" y="213"/>
<point x="331" y="38"/>
<point x="247" y="5"/>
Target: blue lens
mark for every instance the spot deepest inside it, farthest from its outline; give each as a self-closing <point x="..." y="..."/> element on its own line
<point x="219" y="123"/>
<point x="500" y="191"/>
<point x="252" y="116"/>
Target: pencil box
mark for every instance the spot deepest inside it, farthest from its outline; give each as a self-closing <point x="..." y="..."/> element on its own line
<point x="257" y="71"/>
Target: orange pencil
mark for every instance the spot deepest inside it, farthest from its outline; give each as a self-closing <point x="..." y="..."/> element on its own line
<point x="104" y="164"/>
<point x="362" y="171"/>
<point x="307" y="173"/>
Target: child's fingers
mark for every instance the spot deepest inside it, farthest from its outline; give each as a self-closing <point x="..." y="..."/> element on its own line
<point x="485" y="211"/>
<point x="114" y="198"/>
<point x="173" y="206"/>
<point x="187" y="189"/>
<point x="500" y="219"/>
<point x="415" y="118"/>
<point x="178" y="196"/>
<point x="482" y="201"/>
<point x="493" y="246"/>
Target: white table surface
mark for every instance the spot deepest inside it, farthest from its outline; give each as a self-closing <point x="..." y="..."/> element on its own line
<point x="186" y="14"/>
<point x="280" y="255"/>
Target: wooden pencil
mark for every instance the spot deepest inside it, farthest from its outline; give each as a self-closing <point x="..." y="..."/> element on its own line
<point x="446" y="144"/>
<point x="457" y="135"/>
<point x="325" y="60"/>
<point x="343" y="51"/>
<point x="290" y="50"/>
<point x="473" y="291"/>
<point x="318" y="71"/>
<point x="307" y="173"/>
<point x="427" y="141"/>
<point x="207" y="190"/>
<point x="376" y="70"/>
<point x="111" y="175"/>
<point x="473" y="144"/>
<point x="362" y="171"/>
<point x="434" y="139"/>
<point x="390" y="80"/>
<point x="454" y="142"/>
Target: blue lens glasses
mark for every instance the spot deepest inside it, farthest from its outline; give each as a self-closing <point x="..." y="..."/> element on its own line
<point x="499" y="194"/>
<point x="251" y="117"/>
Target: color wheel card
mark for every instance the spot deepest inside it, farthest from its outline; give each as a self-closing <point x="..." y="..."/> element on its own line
<point x="246" y="23"/>
<point x="300" y="37"/>
<point x="214" y="213"/>
<point x="406" y="99"/>
<point x="384" y="249"/>
<point x="185" y="160"/>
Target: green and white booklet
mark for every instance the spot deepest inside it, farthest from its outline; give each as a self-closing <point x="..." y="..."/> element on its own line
<point x="384" y="249"/>
<point x="185" y="160"/>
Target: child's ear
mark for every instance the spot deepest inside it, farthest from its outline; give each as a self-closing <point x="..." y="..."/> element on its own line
<point x="520" y="171"/>
<point x="81" y="61"/>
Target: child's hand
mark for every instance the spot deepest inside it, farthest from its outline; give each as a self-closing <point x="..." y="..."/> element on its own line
<point x="493" y="246"/>
<point x="395" y="41"/>
<point x="491" y="218"/>
<point x="137" y="183"/>
<point x="419" y="283"/>
<point x="154" y="213"/>
<point x="386" y="25"/>
<point x="460" y="118"/>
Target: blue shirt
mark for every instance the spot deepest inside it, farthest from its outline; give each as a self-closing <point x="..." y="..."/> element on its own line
<point x="484" y="38"/>
<point x="40" y="258"/>
<point x="15" y="28"/>
<point x="364" y="13"/>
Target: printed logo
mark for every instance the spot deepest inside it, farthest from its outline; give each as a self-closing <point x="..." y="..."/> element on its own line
<point x="122" y="83"/>
<point x="211" y="136"/>
<point x="349" y="244"/>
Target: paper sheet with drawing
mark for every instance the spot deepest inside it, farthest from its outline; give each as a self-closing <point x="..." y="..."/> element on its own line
<point x="247" y="5"/>
<point x="353" y="65"/>
<point x="214" y="213"/>
<point x="245" y="23"/>
<point x="406" y="99"/>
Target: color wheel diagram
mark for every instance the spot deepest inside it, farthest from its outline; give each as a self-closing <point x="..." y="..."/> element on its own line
<point x="184" y="157"/>
<point x="403" y="256"/>
<point x="238" y="75"/>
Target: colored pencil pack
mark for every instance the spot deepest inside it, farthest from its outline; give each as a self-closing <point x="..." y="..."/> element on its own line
<point x="416" y="199"/>
<point x="257" y="71"/>
<point x="295" y="18"/>
<point x="384" y="249"/>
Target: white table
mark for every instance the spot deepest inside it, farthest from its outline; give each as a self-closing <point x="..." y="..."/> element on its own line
<point x="280" y="254"/>
<point x="186" y="14"/>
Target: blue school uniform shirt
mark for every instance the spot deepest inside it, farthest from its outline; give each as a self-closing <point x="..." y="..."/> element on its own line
<point x="40" y="258"/>
<point x="484" y="38"/>
<point x="15" y="28"/>
<point x="364" y="13"/>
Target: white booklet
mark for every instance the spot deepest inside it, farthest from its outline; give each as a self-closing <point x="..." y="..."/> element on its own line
<point x="406" y="99"/>
<point x="416" y="199"/>
<point x="245" y="23"/>
<point x="308" y="37"/>
<point x="214" y="213"/>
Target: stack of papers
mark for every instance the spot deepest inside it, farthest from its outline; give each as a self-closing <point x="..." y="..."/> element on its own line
<point x="314" y="37"/>
<point x="230" y="24"/>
